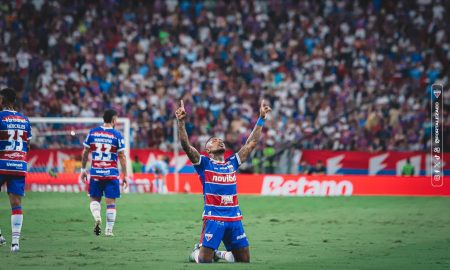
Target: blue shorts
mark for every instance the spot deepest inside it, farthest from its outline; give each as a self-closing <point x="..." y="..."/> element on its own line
<point x="111" y="188"/>
<point x="230" y="232"/>
<point x="15" y="184"/>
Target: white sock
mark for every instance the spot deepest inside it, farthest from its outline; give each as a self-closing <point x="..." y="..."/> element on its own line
<point x="95" y="210"/>
<point x="194" y="255"/>
<point x="156" y="185"/>
<point x="225" y="255"/>
<point x="110" y="216"/>
<point x="16" y="227"/>
<point x="161" y="186"/>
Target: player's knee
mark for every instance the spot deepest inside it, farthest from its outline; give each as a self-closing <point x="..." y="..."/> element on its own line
<point x="242" y="255"/>
<point x="206" y="255"/>
<point x="243" y="259"/>
<point x="15" y="200"/>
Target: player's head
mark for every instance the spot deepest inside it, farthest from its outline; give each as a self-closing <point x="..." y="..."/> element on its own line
<point x="8" y="97"/>
<point x="215" y="146"/>
<point x="110" y="117"/>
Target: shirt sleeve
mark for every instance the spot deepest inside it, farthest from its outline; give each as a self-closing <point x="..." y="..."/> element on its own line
<point x="87" y="141"/>
<point x="235" y="161"/>
<point x="120" y="142"/>
<point x="201" y="164"/>
<point x="29" y="134"/>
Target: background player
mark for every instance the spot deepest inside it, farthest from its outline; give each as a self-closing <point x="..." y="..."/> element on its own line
<point x="106" y="145"/>
<point x="221" y="215"/>
<point x="160" y="168"/>
<point x="15" y="135"/>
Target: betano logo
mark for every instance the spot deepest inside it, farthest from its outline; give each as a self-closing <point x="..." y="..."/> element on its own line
<point x="15" y="155"/>
<point x="103" y="134"/>
<point x="277" y="185"/>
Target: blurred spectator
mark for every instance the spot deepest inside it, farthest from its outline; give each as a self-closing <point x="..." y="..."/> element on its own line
<point x="319" y="169"/>
<point x="408" y="169"/>
<point x="71" y="165"/>
<point x="136" y="165"/>
<point x="304" y="167"/>
<point x="269" y="159"/>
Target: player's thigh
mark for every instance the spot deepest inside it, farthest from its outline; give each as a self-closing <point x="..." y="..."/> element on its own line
<point x="112" y="189"/>
<point x="96" y="188"/>
<point x="212" y="234"/>
<point x="16" y="188"/>
<point x="236" y="241"/>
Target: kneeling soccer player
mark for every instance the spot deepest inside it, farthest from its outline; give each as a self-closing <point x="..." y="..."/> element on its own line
<point x="221" y="216"/>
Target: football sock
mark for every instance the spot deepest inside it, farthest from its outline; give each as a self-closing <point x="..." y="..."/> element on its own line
<point x="95" y="210"/>
<point x="16" y="224"/>
<point x="110" y="216"/>
<point x="225" y="255"/>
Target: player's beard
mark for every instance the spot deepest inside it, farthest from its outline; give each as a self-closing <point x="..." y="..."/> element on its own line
<point x="219" y="151"/>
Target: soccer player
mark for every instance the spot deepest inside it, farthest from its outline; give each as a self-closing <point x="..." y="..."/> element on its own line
<point x="221" y="215"/>
<point x="160" y="168"/>
<point x="106" y="145"/>
<point x="15" y="135"/>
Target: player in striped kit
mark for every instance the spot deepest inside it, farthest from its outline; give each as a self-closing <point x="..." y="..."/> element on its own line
<point x="15" y="136"/>
<point x="106" y="145"/>
<point x="221" y="216"/>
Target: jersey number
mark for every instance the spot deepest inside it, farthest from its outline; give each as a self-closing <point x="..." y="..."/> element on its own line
<point x="15" y="140"/>
<point x="104" y="152"/>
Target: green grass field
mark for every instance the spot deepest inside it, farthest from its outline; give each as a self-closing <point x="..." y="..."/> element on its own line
<point x="158" y="232"/>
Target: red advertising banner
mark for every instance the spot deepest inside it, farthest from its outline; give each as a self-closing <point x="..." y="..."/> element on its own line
<point x="336" y="162"/>
<point x="275" y="185"/>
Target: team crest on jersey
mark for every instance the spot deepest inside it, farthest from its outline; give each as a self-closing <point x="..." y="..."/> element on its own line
<point x="208" y="236"/>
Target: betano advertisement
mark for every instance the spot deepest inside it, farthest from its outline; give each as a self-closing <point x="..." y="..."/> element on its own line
<point x="272" y="185"/>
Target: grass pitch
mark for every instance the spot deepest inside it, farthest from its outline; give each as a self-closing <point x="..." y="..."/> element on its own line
<point x="158" y="232"/>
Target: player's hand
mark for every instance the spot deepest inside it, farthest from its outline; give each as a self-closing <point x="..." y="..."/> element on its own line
<point x="264" y="110"/>
<point x="125" y="182"/>
<point x="180" y="113"/>
<point x="83" y="175"/>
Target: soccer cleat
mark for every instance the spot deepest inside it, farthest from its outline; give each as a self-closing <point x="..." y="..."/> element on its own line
<point x="15" y="248"/>
<point x="2" y="240"/>
<point x="109" y="233"/>
<point x="191" y="256"/>
<point x="97" y="230"/>
<point x="216" y="255"/>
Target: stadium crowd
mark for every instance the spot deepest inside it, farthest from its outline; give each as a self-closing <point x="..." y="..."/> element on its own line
<point x="347" y="75"/>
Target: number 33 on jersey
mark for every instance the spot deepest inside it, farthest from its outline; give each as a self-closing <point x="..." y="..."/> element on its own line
<point x="15" y="134"/>
<point x="104" y="143"/>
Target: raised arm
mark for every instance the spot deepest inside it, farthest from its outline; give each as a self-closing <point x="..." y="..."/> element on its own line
<point x="253" y="139"/>
<point x="191" y="152"/>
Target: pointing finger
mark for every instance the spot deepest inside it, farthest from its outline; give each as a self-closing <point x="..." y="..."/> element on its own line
<point x="262" y="103"/>
<point x="182" y="104"/>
